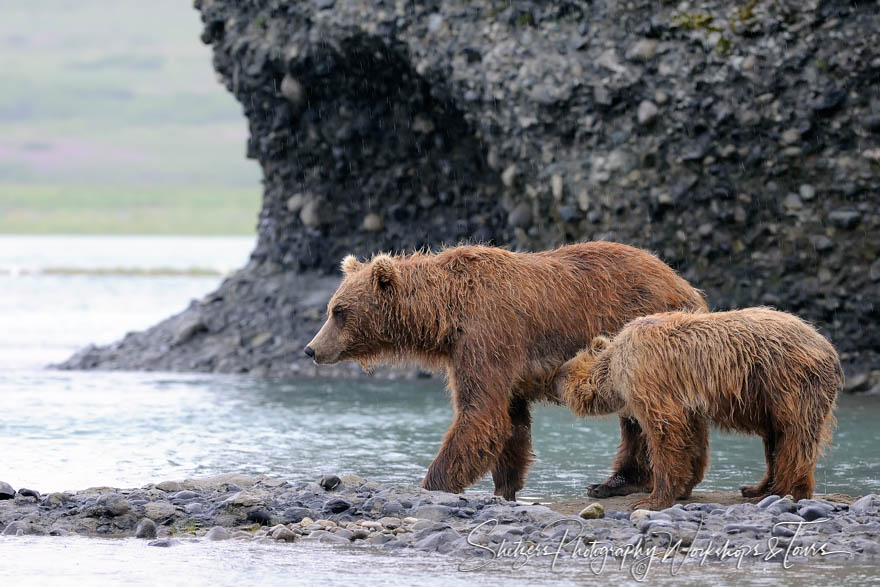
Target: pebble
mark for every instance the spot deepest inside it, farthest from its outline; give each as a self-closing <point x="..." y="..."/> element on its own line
<point x="642" y="50"/>
<point x="372" y="223"/>
<point x="793" y="202"/>
<point x="259" y="516"/>
<point x="863" y="505"/>
<point x="313" y="213"/>
<point x="296" y="514"/>
<point x="295" y="203"/>
<point x="508" y="176"/>
<point x="194" y="508"/>
<point x="217" y="533"/>
<point x="520" y="216"/>
<point x="292" y="90"/>
<point x="159" y="510"/>
<point x="14" y="529"/>
<point x="784" y="505"/>
<point x="647" y="112"/>
<point x="146" y="528"/>
<point x="390" y="522"/>
<point x="821" y="243"/>
<point x="337" y="505"/>
<point x="768" y="501"/>
<point x="343" y="533"/>
<point x="113" y="505"/>
<point x="813" y="512"/>
<point x="556" y="186"/>
<point x="845" y="219"/>
<point x="593" y="511"/>
<point x="807" y="192"/>
<point x="639" y="515"/>
<point x="170" y="486"/>
<point x="284" y="534"/>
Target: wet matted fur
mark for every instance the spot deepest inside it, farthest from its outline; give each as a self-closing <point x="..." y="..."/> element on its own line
<point x="499" y="324"/>
<point x="756" y="370"/>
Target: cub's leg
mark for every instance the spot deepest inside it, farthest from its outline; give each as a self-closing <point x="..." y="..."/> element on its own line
<point x="699" y="453"/>
<point x="763" y="488"/>
<point x="796" y="456"/>
<point x="670" y="451"/>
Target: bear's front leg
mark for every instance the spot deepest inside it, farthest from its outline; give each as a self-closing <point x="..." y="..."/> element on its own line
<point x="478" y="433"/>
<point x="509" y="472"/>
<point x="631" y="471"/>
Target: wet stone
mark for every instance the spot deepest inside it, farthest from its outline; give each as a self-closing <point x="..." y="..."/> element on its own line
<point x="14" y="529"/>
<point x="845" y="219"/>
<point x="864" y="505"/>
<point x="337" y="505"/>
<point x="217" y="533"/>
<point x="592" y="512"/>
<point x="259" y="516"/>
<point x="112" y="505"/>
<point x="6" y="491"/>
<point x="145" y="529"/>
<point x="329" y="482"/>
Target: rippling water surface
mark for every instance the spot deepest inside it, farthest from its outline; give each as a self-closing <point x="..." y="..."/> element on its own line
<point x="71" y="430"/>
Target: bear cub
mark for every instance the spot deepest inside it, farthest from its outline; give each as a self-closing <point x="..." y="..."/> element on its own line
<point x="756" y="370"/>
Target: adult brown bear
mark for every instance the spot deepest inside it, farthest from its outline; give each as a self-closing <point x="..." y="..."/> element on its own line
<point x="500" y="324"/>
<point x="755" y="370"/>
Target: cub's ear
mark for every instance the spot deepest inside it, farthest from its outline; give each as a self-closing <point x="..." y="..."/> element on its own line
<point x="350" y="264"/>
<point x="383" y="271"/>
<point x="599" y="344"/>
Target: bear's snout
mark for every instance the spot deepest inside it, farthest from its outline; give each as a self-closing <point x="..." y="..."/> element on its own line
<point x="309" y="351"/>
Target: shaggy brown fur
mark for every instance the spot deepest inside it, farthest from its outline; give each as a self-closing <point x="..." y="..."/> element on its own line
<point x="756" y="370"/>
<point x="500" y="324"/>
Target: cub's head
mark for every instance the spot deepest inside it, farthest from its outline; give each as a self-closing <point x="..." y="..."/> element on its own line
<point x="356" y="327"/>
<point x="575" y="384"/>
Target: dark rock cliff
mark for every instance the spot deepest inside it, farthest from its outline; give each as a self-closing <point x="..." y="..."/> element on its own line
<point x="740" y="141"/>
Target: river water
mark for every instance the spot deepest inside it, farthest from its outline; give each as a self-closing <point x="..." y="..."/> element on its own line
<point x="70" y="430"/>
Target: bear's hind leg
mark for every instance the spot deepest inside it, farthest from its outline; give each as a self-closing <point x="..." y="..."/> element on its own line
<point x="763" y="488"/>
<point x="631" y="471"/>
<point x="509" y="472"/>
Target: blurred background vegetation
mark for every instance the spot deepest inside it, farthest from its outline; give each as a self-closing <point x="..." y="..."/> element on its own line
<point x="112" y="122"/>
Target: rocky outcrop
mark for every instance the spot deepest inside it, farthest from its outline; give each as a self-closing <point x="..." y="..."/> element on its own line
<point x="741" y="142"/>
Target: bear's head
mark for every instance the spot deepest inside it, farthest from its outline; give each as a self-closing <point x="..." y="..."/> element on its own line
<point x="576" y="383"/>
<point x="359" y="313"/>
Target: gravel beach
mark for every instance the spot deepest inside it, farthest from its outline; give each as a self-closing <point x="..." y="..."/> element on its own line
<point x="350" y="510"/>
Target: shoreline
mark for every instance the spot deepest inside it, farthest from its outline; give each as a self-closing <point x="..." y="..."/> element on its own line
<point x="350" y="510"/>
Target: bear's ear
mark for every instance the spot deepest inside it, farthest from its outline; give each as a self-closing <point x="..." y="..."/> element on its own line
<point x="383" y="271"/>
<point x="350" y="264"/>
<point x="599" y="344"/>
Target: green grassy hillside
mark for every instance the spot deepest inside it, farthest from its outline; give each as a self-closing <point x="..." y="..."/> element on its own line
<point x="111" y="120"/>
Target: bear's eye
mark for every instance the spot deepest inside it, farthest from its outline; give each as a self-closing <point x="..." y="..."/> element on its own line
<point x="339" y="313"/>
